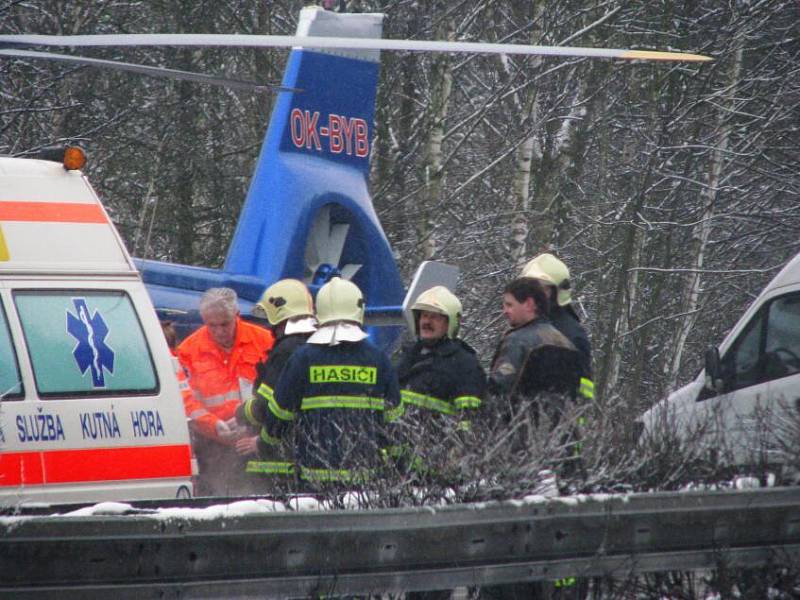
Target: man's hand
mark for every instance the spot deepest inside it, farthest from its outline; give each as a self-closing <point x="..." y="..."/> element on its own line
<point x="225" y="433"/>
<point x="247" y="445"/>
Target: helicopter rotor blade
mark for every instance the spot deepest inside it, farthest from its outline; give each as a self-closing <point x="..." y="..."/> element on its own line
<point x="281" y="41"/>
<point x="146" y="70"/>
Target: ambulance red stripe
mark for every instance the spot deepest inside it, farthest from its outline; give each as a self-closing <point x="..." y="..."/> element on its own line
<point x="52" y="212"/>
<point x="94" y="464"/>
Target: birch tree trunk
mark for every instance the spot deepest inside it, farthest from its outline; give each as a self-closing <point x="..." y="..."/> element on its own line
<point x="522" y="193"/>
<point x="700" y="234"/>
<point x="431" y="192"/>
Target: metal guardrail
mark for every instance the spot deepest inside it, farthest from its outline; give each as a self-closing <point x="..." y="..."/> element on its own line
<point x="300" y="554"/>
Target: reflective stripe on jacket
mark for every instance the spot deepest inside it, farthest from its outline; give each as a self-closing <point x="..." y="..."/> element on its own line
<point x="444" y="378"/>
<point x="339" y="401"/>
<point x="221" y="381"/>
<point x="254" y="411"/>
<point x="202" y="420"/>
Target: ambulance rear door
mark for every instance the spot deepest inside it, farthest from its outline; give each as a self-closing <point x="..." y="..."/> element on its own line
<point x="91" y="410"/>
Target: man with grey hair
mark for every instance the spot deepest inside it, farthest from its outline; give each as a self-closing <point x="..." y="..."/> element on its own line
<point x="220" y="360"/>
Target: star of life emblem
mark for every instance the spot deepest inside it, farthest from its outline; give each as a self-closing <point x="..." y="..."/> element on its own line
<point x="91" y="352"/>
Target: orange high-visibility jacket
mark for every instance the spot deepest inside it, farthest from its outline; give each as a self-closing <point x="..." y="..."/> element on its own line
<point x="219" y="380"/>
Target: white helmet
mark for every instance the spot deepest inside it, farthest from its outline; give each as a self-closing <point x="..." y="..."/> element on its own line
<point x="340" y="300"/>
<point x="284" y="300"/>
<point x="548" y="269"/>
<point x="442" y="301"/>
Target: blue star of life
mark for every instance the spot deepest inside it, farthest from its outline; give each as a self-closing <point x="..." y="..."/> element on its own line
<point x="91" y="352"/>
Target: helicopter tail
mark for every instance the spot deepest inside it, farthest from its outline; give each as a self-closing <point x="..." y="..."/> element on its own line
<point x="308" y="212"/>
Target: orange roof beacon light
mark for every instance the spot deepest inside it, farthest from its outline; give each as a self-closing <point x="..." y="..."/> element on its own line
<point x="74" y="158"/>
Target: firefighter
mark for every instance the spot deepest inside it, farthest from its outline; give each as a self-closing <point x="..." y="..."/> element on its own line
<point x="440" y="377"/>
<point x="288" y="307"/>
<point x="526" y="308"/>
<point x="554" y="275"/>
<point x="533" y="357"/>
<point x="336" y="395"/>
<point x="535" y="367"/>
<point x="220" y="359"/>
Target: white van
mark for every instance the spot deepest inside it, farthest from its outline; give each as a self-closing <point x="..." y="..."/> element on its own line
<point x="90" y="408"/>
<point x="745" y="404"/>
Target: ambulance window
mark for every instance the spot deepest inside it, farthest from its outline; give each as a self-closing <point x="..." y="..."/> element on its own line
<point x="10" y="382"/>
<point x="85" y="342"/>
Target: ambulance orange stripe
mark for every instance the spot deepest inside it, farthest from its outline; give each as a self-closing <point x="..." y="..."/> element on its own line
<point x="54" y="212"/>
<point x="94" y="464"/>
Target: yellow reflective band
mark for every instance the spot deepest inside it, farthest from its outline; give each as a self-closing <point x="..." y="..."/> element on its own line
<point x="565" y="582"/>
<point x="282" y="414"/>
<point x="355" y="402"/>
<point x="344" y="475"/>
<point x="429" y="402"/>
<point x="265" y="392"/>
<point x="343" y="373"/>
<point x="269" y="467"/>
<point x="248" y="412"/>
<point x="467" y="402"/>
<point x="586" y="388"/>
<point x="4" y="254"/>
<point x="267" y="438"/>
<point x="391" y="415"/>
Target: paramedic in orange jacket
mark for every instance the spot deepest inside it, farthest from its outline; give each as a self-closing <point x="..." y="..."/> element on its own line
<point x="220" y="359"/>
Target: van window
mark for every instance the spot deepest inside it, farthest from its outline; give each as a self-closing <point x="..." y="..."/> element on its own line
<point x="10" y="382"/>
<point x="741" y="365"/>
<point x="782" y="347"/>
<point x="85" y="342"/>
<point x="768" y="348"/>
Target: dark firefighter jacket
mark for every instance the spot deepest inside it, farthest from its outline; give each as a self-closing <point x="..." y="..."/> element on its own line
<point x="533" y="358"/>
<point x="338" y="400"/>
<point x="566" y="321"/>
<point x="443" y="379"/>
<point x="275" y="457"/>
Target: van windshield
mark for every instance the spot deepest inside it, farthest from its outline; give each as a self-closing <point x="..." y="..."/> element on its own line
<point x="10" y="384"/>
<point x="85" y="342"/>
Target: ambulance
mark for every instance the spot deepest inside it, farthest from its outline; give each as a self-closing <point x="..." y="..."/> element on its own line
<point x="90" y="408"/>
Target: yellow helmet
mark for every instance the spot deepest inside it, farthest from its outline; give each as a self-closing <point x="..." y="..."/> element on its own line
<point x="548" y="269"/>
<point x="442" y="301"/>
<point x="283" y="300"/>
<point x="340" y="300"/>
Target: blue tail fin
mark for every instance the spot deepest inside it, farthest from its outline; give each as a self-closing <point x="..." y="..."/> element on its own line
<point x="308" y="213"/>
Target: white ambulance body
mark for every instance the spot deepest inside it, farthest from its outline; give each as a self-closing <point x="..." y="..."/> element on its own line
<point x="90" y="408"/>
<point x="744" y="406"/>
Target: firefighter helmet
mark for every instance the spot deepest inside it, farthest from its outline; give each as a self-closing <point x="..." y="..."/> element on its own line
<point x="442" y="301"/>
<point x="548" y="269"/>
<point x="284" y="300"/>
<point x="340" y="300"/>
